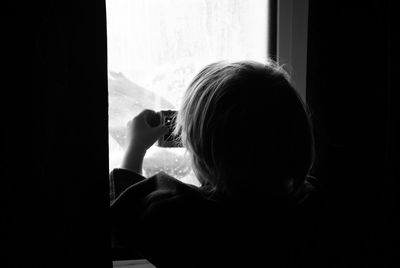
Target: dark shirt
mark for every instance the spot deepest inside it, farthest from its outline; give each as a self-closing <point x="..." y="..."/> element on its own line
<point x="173" y="224"/>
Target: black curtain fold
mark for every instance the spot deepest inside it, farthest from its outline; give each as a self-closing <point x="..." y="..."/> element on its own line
<point x="349" y="92"/>
<point x="55" y="106"/>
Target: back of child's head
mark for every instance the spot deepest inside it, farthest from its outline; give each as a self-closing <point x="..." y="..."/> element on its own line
<point x="247" y="130"/>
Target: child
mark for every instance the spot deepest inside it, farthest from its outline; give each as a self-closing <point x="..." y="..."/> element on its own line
<point x="250" y="140"/>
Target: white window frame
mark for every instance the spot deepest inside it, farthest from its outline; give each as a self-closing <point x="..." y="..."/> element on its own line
<point x="292" y="30"/>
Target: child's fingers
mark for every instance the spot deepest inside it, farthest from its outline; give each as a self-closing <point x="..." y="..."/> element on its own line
<point x="150" y="117"/>
<point x="160" y="130"/>
<point x="146" y="113"/>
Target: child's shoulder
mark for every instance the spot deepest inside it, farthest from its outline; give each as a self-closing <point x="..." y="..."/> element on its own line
<point x="168" y="189"/>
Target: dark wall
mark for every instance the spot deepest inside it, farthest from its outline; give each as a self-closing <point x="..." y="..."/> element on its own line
<point x="349" y="91"/>
<point x="54" y="134"/>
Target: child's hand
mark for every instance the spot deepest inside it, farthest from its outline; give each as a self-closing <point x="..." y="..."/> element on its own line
<point x="144" y="130"/>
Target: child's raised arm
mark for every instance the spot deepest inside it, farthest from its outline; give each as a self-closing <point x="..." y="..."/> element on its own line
<point x="141" y="135"/>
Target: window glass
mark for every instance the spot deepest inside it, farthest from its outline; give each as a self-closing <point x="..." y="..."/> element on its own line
<point x="155" y="48"/>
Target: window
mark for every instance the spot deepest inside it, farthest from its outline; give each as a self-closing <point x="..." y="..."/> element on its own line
<point x="155" y="47"/>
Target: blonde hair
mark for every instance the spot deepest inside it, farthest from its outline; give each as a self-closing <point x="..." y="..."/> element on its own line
<point x="246" y="129"/>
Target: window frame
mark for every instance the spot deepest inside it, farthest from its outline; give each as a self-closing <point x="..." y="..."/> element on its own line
<point x="291" y="39"/>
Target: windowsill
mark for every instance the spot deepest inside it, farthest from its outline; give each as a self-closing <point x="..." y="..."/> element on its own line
<point x="142" y="263"/>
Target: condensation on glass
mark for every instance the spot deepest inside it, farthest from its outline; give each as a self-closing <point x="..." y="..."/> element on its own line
<point x="155" y="48"/>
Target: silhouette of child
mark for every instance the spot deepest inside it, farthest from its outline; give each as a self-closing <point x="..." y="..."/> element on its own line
<point x="251" y="144"/>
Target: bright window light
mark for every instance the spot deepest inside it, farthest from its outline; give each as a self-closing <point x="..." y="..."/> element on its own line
<point x="155" y="48"/>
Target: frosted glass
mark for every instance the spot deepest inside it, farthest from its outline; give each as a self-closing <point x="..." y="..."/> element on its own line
<point x="155" y="47"/>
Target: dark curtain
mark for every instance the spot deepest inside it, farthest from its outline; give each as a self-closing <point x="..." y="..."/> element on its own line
<point x="55" y="134"/>
<point x="349" y="91"/>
